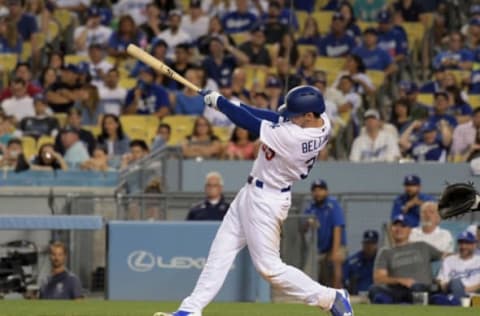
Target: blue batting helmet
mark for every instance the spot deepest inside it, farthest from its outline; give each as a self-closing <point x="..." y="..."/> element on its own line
<point x="301" y="100"/>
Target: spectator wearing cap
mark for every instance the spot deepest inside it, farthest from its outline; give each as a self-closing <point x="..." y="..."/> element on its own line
<point x="355" y="68"/>
<point x="409" y="91"/>
<point x="466" y="139"/>
<point x="403" y="269"/>
<point x="274" y="27"/>
<point x="459" y="274"/>
<point x="358" y="268"/>
<point x="20" y="104"/>
<point x="411" y="10"/>
<point x="474" y="13"/>
<point x="42" y="123"/>
<point x="373" y="57"/>
<point x="126" y="34"/>
<point x="457" y="56"/>
<point x="441" y="110"/>
<point x="337" y="43"/>
<point x="391" y="39"/>
<point x="195" y="23"/>
<point x="97" y="66"/>
<point x="433" y="144"/>
<point x="147" y="98"/>
<point x="93" y="32"/>
<point x="174" y="35"/>
<point x="188" y="101"/>
<point x="63" y="93"/>
<point x="75" y="151"/>
<point x="112" y="96"/>
<point x="429" y="230"/>
<point x="135" y="8"/>
<point x="153" y="24"/>
<point x="181" y="65"/>
<point x="331" y="236"/>
<point x="23" y="71"/>
<point x="434" y="85"/>
<point x="239" y="20"/>
<point x="376" y="144"/>
<point x="255" y="48"/>
<point x="409" y="203"/>
<point x="10" y="40"/>
<point x="74" y="119"/>
<point x="274" y="92"/>
<point x="222" y="59"/>
<point x="26" y="23"/>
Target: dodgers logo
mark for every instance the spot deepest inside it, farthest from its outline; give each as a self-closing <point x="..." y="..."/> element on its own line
<point x="141" y="261"/>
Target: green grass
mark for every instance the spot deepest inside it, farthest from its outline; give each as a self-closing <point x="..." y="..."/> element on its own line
<point x="109" y="308"/>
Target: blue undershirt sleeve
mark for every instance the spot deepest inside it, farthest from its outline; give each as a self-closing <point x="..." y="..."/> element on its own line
<point x="262" y="114"/>
<point x="239" y="116"/>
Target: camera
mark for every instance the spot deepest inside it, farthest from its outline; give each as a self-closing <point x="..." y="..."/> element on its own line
<point x="18" y="262"/>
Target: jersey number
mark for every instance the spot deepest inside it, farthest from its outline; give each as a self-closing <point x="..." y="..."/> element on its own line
<point x="310" y="162"/>
<point x="269" y="153"/>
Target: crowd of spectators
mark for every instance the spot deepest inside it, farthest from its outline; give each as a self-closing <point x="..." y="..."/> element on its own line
<point x="421" y="109"/>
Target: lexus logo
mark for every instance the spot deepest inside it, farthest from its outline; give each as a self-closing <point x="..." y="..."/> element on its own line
<point x="141" y="261"/>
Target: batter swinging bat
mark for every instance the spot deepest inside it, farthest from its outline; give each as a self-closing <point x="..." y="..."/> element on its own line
<point x="159" y="66"/>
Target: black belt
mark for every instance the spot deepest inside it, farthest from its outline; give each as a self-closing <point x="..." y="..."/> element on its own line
<point x="259" y="184"/>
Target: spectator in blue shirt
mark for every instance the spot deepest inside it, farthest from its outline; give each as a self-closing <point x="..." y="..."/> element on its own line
<point x="456" y="57"/>
<point x="440" y="110"/>
<point x="304" y="5"/>
<point x="337" y="43"/>
<point x="358" y="268"/>
<point x="332" y="5"/>
<point x="112" y="137"/>
<point x="434" y="85"/>
<point x="390" y="39"/>
<point x="187" y="101"/>
<point x="10" y="39"/>
<point x="26" y="23"/>
<point x="374" y="57"/>
<point x="240" y="20"/>
<point x="218" y="64"/>
<point x="346" y="9"/>
<point x="147" y="97"/>
<point x="127" y="33"/>
<point x="287" y="16"/>
<point x="461" y="110"/>
<point x="432" y="146"/>
<point x="410" y="201"/>
<point x="331" y="236"/>
<point x="310" y="34"/>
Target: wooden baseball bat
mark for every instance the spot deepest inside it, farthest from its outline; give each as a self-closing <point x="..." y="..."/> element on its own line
<point x="159" y="66"/>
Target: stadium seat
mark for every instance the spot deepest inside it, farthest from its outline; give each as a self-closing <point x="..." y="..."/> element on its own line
<point x="75" y="59"/>
<point x="224" y="133"/>
<point x="460" y="75"/>
<point x="319" y="4"/>
<point x="426" y="98"/>
<point x="364" y="25"/>
<point x="139" y="126"/>
<point x="474" y="100"/>
<point x="64" y="18"/>
<point x="53" y="31"/>
<point x="29" y="147"/>
<point x="61" y="118"/>
<point x="302" y="48"/>
<point x="378" y="77"/>
<point x="255" y="75"/>
<point x="329" y="63"/>
<point x="94" y="129"/>
<point x="45" y="140"/>
<point x="182" y="126"/>
<point x="240" y="38"/>
<point x="324" y="19"/>
<point x="127" y="83"/>
<point x="302" y="16"/>
<point x="7" y="64"/>
<point x="415" y="33"/>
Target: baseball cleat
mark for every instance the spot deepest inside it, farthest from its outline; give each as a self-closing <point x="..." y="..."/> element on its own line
<point x="177" y="313"/>
<point x="341" y="305"/>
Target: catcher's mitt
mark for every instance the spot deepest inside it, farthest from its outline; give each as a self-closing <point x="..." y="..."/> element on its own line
<point x="458" y="199"/>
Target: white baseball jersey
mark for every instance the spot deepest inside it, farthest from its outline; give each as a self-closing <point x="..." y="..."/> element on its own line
<point x="288" y="152"/>
<point x="453" y="267"/>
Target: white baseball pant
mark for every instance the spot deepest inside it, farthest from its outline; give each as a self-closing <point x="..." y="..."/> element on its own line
<point x="254" y="219"/>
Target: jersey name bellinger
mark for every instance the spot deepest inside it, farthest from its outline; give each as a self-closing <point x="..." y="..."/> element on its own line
<point x="313" y="145"/>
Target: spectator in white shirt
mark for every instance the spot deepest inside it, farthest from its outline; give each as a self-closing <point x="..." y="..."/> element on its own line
<point x="353" y="101"/>
<point x="376" y="144"/>
<point x="97" y="66"/>
<point x="77" y="6"/>
<point x="135" y="8"/>
<point x="174" y="35"/>
<point x="93" y="32"/>
<point x="195" y="23"/>
<point x="112" y="97"/>
<point x="429" y="230"/>
<point x="20" y="104"/>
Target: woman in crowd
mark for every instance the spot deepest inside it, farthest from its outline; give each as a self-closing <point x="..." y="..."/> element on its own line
<point x="48" y="159"/>
<point x="346" y="9"/>
<point x="127" y="33"/>
<point x="400" y="117"/>
<point x="47" y="78"/>
<point x="287" y="47"/>
<point x="88" y="102"/>
<point x="112" y="136"/>
<point x="241" y="146"/>
<point x="307" y="66"/>
<point x="202" y="143"/>
<point x="310" y="34"/>
<point x="10" y="39"/>
<point x="355" y="68"/>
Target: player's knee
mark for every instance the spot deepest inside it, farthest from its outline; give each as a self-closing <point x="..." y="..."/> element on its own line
<point x="270" y="270"/>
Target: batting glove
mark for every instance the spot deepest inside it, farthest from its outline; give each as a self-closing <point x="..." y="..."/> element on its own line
<point x="211" y="99"/>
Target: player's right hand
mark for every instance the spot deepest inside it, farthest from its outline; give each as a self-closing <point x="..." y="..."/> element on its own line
<point x="211" y="99"/>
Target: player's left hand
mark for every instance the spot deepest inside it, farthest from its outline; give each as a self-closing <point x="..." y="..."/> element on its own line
<point x="211" y="99"/>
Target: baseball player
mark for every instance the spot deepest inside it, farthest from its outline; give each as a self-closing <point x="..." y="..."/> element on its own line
<point x="291" y="141"/>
